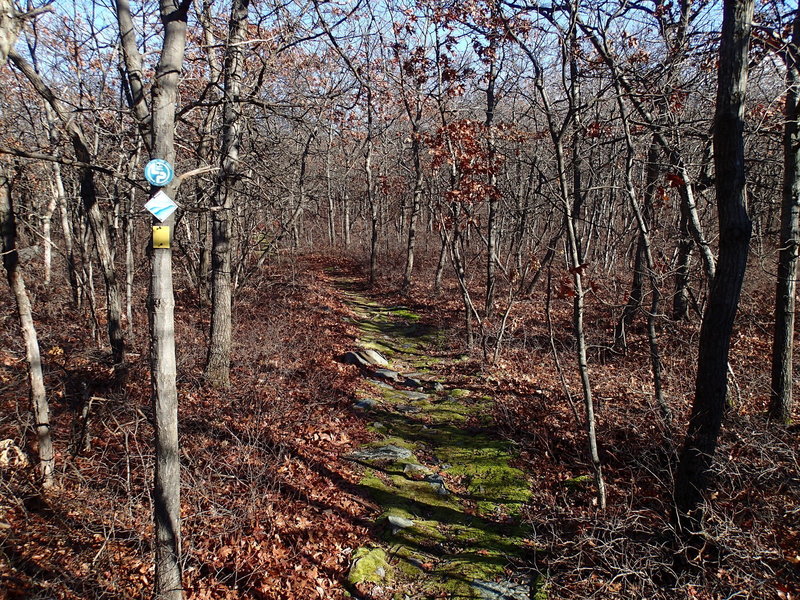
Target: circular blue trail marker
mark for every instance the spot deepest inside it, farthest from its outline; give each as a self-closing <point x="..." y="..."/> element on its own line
<point x="158" y="172"/>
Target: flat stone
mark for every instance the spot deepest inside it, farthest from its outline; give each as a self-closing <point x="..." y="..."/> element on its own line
<point x="416" y="472"/>
<point x="414" y="395"/>
<point x="408" y="409"/>
<point x="388" y="374"/>
<point x="400" y="522"/>
<point x="366" y="403"/>
<point x="502" y="590"/>
<point x="388" y="453"/>
<point x="411" y="382"/>
<point x="380" y="384"/>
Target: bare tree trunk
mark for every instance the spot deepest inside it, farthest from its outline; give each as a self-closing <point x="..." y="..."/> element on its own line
<point x="639" y="272"/>
<point x="41" y="409"/>
<point x="129" y="225"/>
<point x="219" y="346"/>
<point x="416" y="199"/>
<point x="47" y="226"/>
<point x="642" y="216"/>
<point x="691" y="479"/>
<point x="491" y="225"/>
<point x="166" y="502"/>
<point x="66" y="230"/>
<point x="329" y="190"/>
<point x="680" y="298"/>
<point x="371" y="201"/>
<point x="440" y="264"/>
<point x="780" y="407"/>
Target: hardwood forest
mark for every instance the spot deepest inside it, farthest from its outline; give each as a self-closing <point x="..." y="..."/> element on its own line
<point x="487" y="299"/>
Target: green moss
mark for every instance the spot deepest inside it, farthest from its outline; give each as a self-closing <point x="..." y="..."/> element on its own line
<point x="370" y="565"/>
<point x="451" y="544"/>
<point x="383" y="348"/>
<point x="541" y="589"/>
<point x="401" y="312"/>
<point x="579" y="482"/>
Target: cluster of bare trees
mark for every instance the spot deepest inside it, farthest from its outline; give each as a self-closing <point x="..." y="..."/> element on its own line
<point x="505" y="134"/>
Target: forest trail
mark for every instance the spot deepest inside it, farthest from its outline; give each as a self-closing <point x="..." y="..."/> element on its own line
<point x="450" y="498"/>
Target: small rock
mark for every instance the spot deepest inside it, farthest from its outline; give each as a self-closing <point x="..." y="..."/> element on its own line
<point x="374" y="357"/>
<point x="502" y="590"/>
<point x="388" y="374"/>
<point x="408" y="409"/>
<point x="380" y="572"/>
<point x="437" y="387"/>
<point x="438" y="484"/>
<point x="365" y="403"/>
<point x="416" y="472"/>
<point x="377" y="425"/>
<point x="380" y="384"/>
<point x="400" y="522"/>
<point x="414" y="395"/>
<point x="354" y="358"/>
<point x="411" y="382"/>
<point x="389" y="453"/>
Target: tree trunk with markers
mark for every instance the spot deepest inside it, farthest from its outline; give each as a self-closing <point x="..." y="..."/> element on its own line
<point x="166" y="500"/>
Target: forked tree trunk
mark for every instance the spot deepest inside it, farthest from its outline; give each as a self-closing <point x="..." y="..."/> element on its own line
<point x="780" y="407"/>
<point x="41" y="411"/>
<point x="692" y="476"/>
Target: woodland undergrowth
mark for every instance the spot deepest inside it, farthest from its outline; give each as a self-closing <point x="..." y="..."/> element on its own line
<point x="270" y="510"/>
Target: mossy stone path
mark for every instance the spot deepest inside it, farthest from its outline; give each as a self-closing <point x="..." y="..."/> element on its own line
<point x="450" y="498"/>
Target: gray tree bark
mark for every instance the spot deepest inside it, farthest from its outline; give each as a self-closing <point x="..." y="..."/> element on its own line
<point x="692" y="476"/>
<point x="166" y="502"/>
<point x="41" y="409"/>
<point x="219" y="347"/>
<point x="780" y="407"/>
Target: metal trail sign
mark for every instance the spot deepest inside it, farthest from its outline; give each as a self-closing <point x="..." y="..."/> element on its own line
<point x="158" y="172"/>
<point x="161" y="206"/>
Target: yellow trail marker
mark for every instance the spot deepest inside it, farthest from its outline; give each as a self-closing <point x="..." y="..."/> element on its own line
<point x="160" y="236"/>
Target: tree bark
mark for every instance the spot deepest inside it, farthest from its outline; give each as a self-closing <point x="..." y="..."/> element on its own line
<point x="41" y="409"/>
<point x="166" y="501"/>
<point x="780" y="407"/>
<point x="692" y="476"/>
<point x="219" y="346"/>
